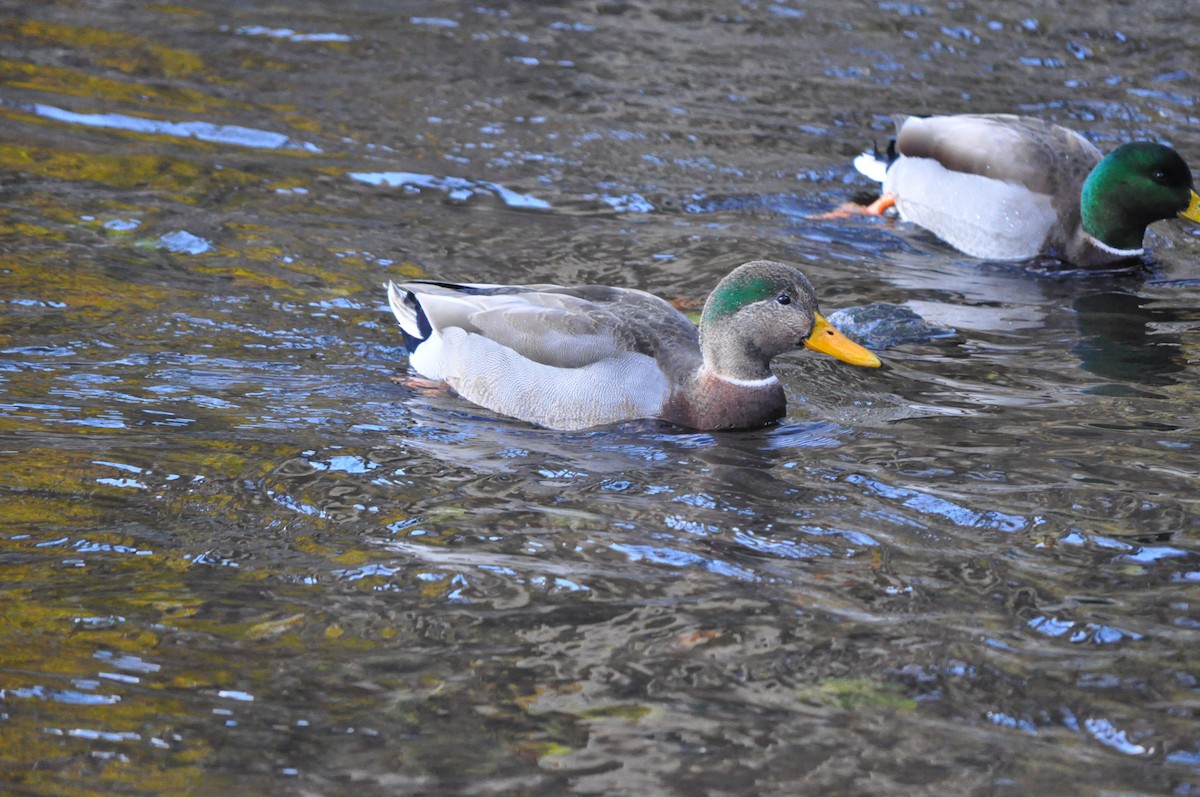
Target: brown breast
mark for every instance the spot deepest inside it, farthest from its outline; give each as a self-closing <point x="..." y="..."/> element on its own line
<point x="710" y="403"/>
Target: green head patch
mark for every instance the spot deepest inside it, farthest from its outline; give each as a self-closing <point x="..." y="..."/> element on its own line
<point x="737" y="291"/>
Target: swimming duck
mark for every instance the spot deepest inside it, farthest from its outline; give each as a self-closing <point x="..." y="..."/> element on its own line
<point x="572" y="358"/>
<point x="1004" y="187"/>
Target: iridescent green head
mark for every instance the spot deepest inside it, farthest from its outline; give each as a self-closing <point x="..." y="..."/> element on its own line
<point x="1135" y="185"/>
<point x="745" y="286"/>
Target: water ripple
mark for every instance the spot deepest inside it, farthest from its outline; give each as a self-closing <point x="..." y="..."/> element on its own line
<point x="457" y="188"/>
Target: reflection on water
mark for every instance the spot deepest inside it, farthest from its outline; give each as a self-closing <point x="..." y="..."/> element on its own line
<point x="202" y="131"/>
<point x="456" y="188"/>
<point x="1125" y="339"/>
<point x="239" y="558"/>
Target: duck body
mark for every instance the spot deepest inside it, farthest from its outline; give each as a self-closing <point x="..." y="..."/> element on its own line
<point x="576" y="357"/>
<point x="1005" y="187"/>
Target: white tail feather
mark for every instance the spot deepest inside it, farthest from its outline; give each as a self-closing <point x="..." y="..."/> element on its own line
<point x="405" y="315"/>
<point x="871" y="166"/>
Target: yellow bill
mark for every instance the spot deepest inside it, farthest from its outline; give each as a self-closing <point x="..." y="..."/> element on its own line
<point x="827" y="340"/>
<point x="1193" y="209"/>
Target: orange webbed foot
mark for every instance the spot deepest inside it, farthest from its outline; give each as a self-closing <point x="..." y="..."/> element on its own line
<point x="879" y="206"/>
<point x="850" y="209"/>
<point x="419" y="382"/>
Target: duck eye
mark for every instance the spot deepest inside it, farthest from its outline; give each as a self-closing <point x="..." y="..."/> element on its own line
<point x="783" y="298"/>
<point x="1159" y="176"/>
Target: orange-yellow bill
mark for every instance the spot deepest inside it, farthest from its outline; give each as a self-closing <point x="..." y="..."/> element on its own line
<point x="827" y="340"/>
<point x="1193" y="209"/>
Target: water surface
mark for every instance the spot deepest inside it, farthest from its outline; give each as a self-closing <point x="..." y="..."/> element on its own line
<point x="239" y="558"/>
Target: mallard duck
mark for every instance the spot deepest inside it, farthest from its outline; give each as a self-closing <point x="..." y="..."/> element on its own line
<point x="1005" y="187"/>
<point x="572" y="358"/>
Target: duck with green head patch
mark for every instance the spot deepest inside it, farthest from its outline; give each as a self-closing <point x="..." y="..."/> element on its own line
<point x="572" y="358"/>
<point x="1002" y="187"/>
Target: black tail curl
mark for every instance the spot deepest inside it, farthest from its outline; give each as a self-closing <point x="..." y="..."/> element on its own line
<point x="424" y="328"/>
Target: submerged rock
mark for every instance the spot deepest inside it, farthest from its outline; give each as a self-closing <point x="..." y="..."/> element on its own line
<point x="183" y="242"/>
<point x="879" y="325"/>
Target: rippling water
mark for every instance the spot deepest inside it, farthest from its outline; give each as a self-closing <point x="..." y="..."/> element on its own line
<point x="239" y="558"/>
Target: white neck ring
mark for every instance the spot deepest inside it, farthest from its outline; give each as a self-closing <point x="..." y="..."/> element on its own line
<point x="733" y="380"/>
<point x="1112" y="250"/>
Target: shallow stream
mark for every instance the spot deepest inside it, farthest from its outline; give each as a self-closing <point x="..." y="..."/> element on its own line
<point x="236" y="557"/>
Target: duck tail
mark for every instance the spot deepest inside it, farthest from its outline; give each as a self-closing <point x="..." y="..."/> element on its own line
<point x="874" y="165"/>
<point x="414" y="324"/>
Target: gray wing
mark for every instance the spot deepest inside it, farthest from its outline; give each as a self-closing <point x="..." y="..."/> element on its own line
<point x="1043" y="157"/>
<point x="564" y="327"/>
